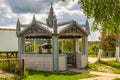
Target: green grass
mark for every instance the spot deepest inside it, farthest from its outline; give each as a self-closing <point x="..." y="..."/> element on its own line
<point x="92" y="55"/>
<point x="40" y="75"/>
<point x="111" y="63"/>
<point x="12" y="78"/>
<point x="10" y="66"/>
<point x="105" y="66"/>
<point x="117" y="79"/>
<point x="45" y="75"/>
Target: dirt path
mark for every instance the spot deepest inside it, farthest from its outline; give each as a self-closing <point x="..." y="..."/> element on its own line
<point x="92" y="60"/>
<point x="102" y="76"/>
<point x="5" y="74"/>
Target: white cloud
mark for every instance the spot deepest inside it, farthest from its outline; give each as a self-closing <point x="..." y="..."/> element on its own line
<point x="5" y="10"/>
<point x="69" y="10"/>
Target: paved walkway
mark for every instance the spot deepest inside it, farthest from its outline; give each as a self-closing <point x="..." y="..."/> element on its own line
<point x="5" y="74"/>
<point x="102" y="76"/>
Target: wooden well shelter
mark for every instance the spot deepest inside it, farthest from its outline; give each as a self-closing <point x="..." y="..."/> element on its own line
<point x="53" y="32"/>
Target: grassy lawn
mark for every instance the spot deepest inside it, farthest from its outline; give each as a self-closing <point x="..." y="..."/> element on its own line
<point x="43" y="75"/>
<point x="105" y="66"/>
<point x="92" y="55"/>
<point x="117" y="79"/>
<point x="38" y="75"/>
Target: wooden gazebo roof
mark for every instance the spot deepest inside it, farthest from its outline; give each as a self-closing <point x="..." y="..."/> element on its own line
<point x="37" y="29"/>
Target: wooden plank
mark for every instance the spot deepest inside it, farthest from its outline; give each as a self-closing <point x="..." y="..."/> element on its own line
<point x="10" y="59"/>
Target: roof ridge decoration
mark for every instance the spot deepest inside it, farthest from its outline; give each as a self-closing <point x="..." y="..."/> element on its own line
<point x="34" y="27"/>
<point x="34" y="20"/>
<point x="18" y="28"/>
<point x="74" y="27"/>
<point x="87" y="26"/>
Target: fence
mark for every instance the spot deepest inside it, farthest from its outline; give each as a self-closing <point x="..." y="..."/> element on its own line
<point x="14" y="65"/>
<point x="8" y="54"/>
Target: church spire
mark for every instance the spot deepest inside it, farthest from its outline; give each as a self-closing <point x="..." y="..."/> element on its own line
<point x="51" y="17"/>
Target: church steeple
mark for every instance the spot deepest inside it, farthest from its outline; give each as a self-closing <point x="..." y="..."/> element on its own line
<point x="51" y="17"/>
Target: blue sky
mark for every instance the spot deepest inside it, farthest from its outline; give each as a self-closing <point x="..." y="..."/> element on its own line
<point x="11" y="10"/>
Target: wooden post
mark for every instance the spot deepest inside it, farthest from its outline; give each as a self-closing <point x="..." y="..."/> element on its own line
<point x="22" y="67"/>
<point x="75" y="42"/>
<point x="48" y="43"/>
<point x="21" y="48"/>
<point x="84" y="45"/>
<point x="8" y="64"/>
<point x="55" y="52"/>
<point x="76" y="48"/>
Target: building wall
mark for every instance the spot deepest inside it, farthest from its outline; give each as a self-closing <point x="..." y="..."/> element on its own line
<point x="82" y="60"/>
<point x="43" y="62"/>
<point x="62" y="63"/>
<point x="78" y="60"/>
<point x="8" y="40"/>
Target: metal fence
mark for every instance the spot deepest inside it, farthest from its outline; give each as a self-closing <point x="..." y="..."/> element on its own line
<point x="14" y="66"/>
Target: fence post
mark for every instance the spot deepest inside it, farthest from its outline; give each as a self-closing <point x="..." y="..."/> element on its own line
<point x="22" y="68"/>
<point x="8" y="65"/>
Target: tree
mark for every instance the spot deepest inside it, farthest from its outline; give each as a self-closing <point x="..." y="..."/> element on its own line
<point x="93" y="48"/>
<point x="109" y="44"/>
<point x="106" y="14"/>
<point x="101" y="44"/>
<point x="66" y="45"/>
<point x="32" y="47"/>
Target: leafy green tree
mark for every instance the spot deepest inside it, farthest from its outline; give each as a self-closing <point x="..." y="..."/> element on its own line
<point x="105" y="13"/>
<point x="66" y="45"/>
<point x="93" y="48"/>
<point x="80" y="45"/>
<point x="33" y="46"/>
<point x="109" y="44"/>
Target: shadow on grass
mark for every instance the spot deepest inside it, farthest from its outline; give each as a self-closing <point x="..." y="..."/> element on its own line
<point x="47" y="73"/>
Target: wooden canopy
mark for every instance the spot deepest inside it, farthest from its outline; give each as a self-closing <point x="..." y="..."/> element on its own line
<point x="37" y="29"/>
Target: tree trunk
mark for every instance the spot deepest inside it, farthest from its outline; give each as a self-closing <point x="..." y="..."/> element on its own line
<point x="101" y="44"/>
<point x="117" y="47"/>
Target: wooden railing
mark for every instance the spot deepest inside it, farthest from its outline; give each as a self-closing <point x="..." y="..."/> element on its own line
<point x="8" y="54"/>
